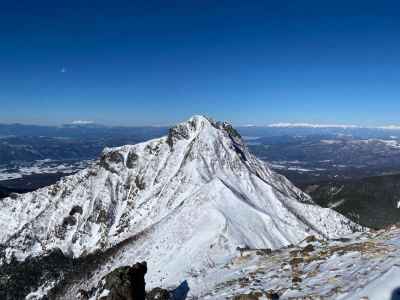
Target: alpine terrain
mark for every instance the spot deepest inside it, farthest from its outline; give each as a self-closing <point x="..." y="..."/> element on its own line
<point x="184" y="203"/>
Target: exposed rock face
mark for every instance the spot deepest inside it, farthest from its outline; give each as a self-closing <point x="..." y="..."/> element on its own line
<point x="124" y="283"/>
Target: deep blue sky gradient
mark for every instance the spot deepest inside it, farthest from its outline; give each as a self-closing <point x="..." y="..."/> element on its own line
<point x="158" y="62"/>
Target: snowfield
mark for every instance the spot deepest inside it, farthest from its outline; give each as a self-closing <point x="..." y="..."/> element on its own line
<point x="360" y="266"/>
<point x="184" y="203"/>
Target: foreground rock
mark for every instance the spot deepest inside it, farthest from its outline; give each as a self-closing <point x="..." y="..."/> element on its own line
<point x="158" y="294"/>
<point x="128" y="283"/>
<point x="125" y="283"/>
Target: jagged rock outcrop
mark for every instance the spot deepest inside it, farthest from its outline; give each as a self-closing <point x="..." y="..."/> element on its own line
<point x="128" y="283"/>
<point x="124" y="283"/>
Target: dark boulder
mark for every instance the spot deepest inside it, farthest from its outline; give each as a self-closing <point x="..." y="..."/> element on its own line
<point x="158" y="294"/>
<point x="76" y="210"/>
<point x="124" y="283"/>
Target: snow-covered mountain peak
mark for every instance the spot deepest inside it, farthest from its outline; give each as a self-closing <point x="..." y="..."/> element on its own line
<point x="191" y="196"/>
<point x="196" y="125"/>
<point x="199" y="143"/>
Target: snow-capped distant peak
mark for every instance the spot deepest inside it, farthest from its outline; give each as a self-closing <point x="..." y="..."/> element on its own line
<point x="390" y="127"/>
<point x="334" y="126"/>
<point x="310" y="125"/>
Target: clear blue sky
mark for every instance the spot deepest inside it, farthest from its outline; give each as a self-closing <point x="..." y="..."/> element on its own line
<point x="157" y="62"/>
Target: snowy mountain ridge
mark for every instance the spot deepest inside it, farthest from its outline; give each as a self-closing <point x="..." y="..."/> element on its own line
<point x="189" y="199"/>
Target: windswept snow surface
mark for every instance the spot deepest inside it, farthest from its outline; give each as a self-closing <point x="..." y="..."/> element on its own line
<point x="361" y="266"/>
<point x="386" y="286"/>
<point x="189" y="199"/>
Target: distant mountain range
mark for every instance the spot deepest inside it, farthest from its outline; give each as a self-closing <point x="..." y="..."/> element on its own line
<point x="90" y="130"/>
<point x="77" y="128"/>
<point x="311" y="125"/>
<point x="312" y="130"/>
<point x="27" y="143"/>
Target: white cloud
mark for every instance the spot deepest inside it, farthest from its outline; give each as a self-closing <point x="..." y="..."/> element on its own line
<point x="82" y="122"/>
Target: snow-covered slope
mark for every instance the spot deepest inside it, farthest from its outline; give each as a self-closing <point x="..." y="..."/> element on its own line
<point x="362" y="266"/>
<point x="189" y="200"/>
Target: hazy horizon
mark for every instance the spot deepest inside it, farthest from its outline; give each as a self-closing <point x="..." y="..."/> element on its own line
<point x="392" y="126"/>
